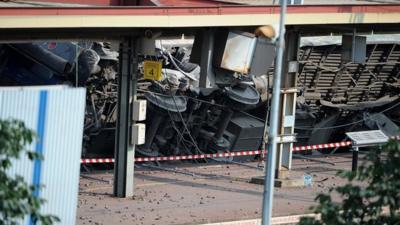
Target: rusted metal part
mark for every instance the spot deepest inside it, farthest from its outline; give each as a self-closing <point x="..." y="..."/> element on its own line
<point x="238" y="52"/>
<point x="361" y="105"/>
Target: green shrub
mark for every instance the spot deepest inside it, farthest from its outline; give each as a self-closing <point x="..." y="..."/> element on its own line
<point x="371" y="196"/>
<point x="16" y="196"/>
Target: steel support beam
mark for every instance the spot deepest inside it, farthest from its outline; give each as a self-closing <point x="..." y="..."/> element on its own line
<point x="288" y="102"/>
<point x="124" y="150"/>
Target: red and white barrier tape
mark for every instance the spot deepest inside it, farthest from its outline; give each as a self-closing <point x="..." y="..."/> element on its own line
<point x="175" y="158"/>
<point x="222" y="155"/>
<point x="99" y="160"/>
<point x="321" y="146"/>
<point x="216" y="155"/>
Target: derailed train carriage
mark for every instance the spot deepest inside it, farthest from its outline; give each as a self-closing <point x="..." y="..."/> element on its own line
<point x="229" y="114"/>
<point x="335" y="97"/>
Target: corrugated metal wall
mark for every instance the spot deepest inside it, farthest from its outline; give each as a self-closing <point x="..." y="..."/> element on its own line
<point x="56" y="114"/>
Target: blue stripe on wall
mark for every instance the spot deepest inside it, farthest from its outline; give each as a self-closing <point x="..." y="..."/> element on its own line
<point x="40" y="131"/>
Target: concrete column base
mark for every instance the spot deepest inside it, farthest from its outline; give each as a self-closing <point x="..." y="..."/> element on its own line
<point x="281" y="182"/>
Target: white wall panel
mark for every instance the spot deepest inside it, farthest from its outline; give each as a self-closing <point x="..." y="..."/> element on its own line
<point x="60" y="111"/>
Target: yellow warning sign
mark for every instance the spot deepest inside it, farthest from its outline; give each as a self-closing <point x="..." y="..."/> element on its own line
<point x="152" y="70"/>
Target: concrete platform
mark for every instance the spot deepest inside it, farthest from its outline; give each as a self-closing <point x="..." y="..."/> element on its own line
<point x="200" y="194"/>
<point x="280" y="183"/>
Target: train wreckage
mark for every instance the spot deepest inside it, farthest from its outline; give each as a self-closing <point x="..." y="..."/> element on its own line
<point x="228" y="114"/>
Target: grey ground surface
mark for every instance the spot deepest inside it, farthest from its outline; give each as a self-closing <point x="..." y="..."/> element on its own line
<point x="215" y="193"/>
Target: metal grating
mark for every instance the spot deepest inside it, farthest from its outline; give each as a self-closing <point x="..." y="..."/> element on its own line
<point x="367" y="138"/>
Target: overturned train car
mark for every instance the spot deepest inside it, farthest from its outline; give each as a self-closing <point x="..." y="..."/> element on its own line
<point x="335" y="97"/>
<point x="227" y="111"/>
